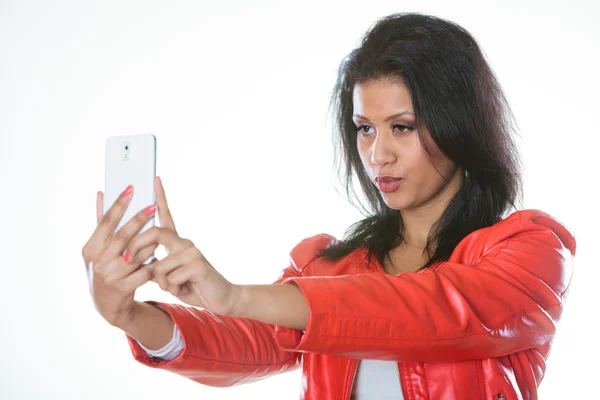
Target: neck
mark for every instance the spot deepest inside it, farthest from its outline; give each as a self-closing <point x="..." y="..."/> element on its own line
<point x="417" y="222"/>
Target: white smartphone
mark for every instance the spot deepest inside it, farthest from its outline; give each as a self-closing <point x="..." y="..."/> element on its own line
<point x="131" y="160"/>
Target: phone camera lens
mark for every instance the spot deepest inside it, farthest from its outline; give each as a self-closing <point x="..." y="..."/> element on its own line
<point x="126" y="147"/>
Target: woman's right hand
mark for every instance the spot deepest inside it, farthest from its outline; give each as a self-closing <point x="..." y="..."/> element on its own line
<point x="113" y="280"/>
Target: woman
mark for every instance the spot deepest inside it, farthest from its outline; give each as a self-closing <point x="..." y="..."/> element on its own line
<point x="440" y="293"/>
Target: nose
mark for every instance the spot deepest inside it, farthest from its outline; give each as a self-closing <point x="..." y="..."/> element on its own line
<point x="381" y="150"/>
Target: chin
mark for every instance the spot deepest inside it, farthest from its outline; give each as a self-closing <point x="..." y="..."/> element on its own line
<point x="395" y="202"/>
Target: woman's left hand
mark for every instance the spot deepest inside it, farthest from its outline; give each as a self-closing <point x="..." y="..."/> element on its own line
<point x="184" y="272"/>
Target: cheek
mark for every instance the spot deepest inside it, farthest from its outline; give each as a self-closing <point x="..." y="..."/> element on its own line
<point x="417" y="158"/>
<point x="363" y="152"/>
<point x="423" y="166"/>
<point x="433" y="149"/>
<point x="436" y="158"/>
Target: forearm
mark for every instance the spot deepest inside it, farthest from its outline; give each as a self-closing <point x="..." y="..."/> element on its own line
<point x="150" y="326"/>
<point x="217" y="350"/>
<point x="274" y="304"/>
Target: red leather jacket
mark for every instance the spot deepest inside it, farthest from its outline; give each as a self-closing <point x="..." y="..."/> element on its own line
<point x="478" y="326"/>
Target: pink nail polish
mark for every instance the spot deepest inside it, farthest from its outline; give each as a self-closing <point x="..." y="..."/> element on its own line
<point x="128" y="190"/>
<point x="150" y="209"/>
<point x="126" y="256"/>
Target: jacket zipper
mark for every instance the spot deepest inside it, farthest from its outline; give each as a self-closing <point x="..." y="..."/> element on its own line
<point x="481" y="379"/>
<point x="353" y="378"/>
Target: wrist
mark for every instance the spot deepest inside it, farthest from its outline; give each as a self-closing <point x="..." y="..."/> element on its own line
<point x="151" y="326"/>
<point x="241" y="300"/>
<point x="128" y="321"/>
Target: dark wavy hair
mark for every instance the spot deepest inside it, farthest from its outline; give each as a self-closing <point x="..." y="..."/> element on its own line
<point x="456" y="96"/>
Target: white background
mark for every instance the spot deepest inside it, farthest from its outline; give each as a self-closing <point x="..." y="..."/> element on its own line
<point x="237" y="96"/>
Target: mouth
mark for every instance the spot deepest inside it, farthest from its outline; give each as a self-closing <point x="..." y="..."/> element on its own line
<point x="386" y="179"/>
<point x="387" y="183"/>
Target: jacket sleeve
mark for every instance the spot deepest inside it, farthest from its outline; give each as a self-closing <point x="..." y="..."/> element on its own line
<point x="225" y="351"/>
<point x="508" y="298"/>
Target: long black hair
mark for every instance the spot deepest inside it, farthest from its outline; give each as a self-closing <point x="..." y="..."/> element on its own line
<point x="456" y="96"/>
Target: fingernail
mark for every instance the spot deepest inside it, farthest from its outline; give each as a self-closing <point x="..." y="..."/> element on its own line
<point x="150" y="209"/>
<point x="159" y="181"/>
<point x="126" y="255"/>
<point x="128" y="190"/>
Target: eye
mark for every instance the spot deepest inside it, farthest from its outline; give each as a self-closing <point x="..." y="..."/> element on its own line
<point x="401" y="127"/>
<point x="359" y="129"/>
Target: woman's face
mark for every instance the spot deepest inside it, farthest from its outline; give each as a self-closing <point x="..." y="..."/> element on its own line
<point x="389" y="145"/>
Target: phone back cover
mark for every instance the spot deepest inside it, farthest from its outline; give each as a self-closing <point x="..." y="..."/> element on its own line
<point x="135" y="166"/>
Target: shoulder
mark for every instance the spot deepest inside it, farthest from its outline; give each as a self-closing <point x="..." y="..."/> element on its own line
<point x="519" y="236"/>
<point x="306" y="251"/>
<point x="529" y="239"/>
<point x="531" y="225"/>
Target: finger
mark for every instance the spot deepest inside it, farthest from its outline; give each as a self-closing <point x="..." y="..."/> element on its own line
<point x="136" y="279"/>
<point x="158" y="236"/>
<point x="142" y="255"/>
<point x="189" y="272"/>
<point x="105" y="223"/>
<point x="162" y="268"/>
<point x="99" y="206"/>
<point x="178" y="277"/>
<point x="109" y="221"/>
<point x="168" y="264"/>
<point x="122" y="237"/>
<point x="114" y="270"/>
<point x="164" y="214"/>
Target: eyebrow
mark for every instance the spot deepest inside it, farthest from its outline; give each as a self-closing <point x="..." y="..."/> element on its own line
<point x="391" y="117"/>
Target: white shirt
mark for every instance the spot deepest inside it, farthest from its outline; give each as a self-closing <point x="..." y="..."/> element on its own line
<point x="171" y="350"/>
<point x="377" y="379"/>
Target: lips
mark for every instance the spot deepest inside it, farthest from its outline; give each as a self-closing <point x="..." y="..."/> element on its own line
<point x="388" y="184"/>
<point x="386" y="179"/>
